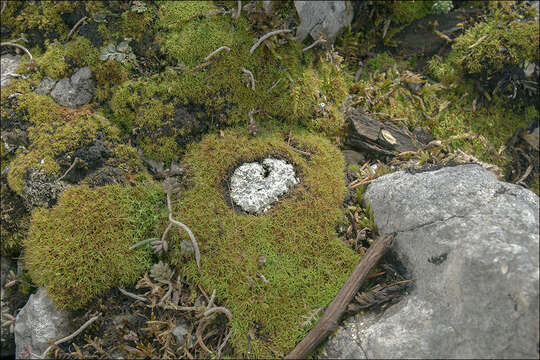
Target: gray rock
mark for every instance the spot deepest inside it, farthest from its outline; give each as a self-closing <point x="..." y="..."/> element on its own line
<point x="38" y="322"/>
<point x="8" y="66"/>
<point x="75" y="91"/>
<point x="180" y="332"/>
<point x="45" y="86"/>
<point x="41" y="189"/>
<point x="255" y="186"/>
<point x="471" y="244"/>
<point x="323" y="18"/>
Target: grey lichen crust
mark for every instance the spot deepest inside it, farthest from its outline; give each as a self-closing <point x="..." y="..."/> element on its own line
<point x="255" y="186"/>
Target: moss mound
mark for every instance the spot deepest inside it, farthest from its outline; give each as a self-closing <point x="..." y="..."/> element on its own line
<point x="489" y="47"/>
<point x="81" y="247"/>
<point x="306" y="264"/>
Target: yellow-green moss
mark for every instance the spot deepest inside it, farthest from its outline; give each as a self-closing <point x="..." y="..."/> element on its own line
<point x="488" y="47"/>
<point x="60" y="60"/>
<point x="45" y="16"/>
<point x="81" y="247"/>
<point x="173" y="14"/>
<point x="305" y="262"/>
<point x="64" y="132"/>
<point x="222" y="88"/>
<point x="404" y="12"/>
<point x="446" y="111"/>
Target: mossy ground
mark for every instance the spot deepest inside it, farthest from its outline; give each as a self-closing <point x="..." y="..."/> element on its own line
<point x="81" y="258"/>
<point x="72" y="246"/>
<point x="305" y="265"/>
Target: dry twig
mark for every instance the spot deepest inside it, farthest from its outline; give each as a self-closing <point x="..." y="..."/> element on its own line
<point x="216" y="51"/>
<point x="252" y="79"/>
<point x="131" y="295"/>
<point x="75" y="27"/>
<point x="75" y="161"/>
<point x="6" y="43"/>
<point x="67" y="338"/>
<point x="315" y="43"/>
<point x="329" y="321"/>
<point x="238" y="9"/>
<point x="266" y="36"/>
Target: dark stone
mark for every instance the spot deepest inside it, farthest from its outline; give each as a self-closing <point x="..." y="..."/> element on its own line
<point x="423" y="135"/>
<point x="354" y="157"/>
<point x="188" y="124"/>
<point x="75" y="91"/>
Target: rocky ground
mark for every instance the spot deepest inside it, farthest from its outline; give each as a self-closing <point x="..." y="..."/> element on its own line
<point x="198" y="179"/>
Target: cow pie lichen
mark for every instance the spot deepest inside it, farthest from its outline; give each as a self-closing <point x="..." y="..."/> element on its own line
<point x="306" y="264"/>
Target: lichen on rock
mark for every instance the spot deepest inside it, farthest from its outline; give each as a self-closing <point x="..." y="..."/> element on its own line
<point x="255" y="186"/>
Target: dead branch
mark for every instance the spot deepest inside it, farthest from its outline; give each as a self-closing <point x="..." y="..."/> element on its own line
<point x="131" y="295"/>
<point x="19" y="47"/>
<point x="315" y="43"/>
<point x="4" y="4"/>
<point x="200" y="66"/>
<point x="238" y="9"/>
<point x="75" y="161"/>
<point x="219" y="309"/>
<point x="252" y="79"/>
<point x="169" y="191"/>
<point x="273" y="86"/>
<point x="67" y="338"/>
<point x="264" y="37"/>
<point x="76" y="26"/>
<point x="216" y="51"/>
<point x="329" y="321"/>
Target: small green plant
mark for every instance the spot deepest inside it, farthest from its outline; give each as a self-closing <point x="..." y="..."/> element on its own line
<point x="121" y="52"/>
<point x="139" y="6"/>
<point x="442" y="7"/>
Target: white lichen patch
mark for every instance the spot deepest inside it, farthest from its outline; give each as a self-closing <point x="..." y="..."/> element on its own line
<point x="255" y="187"/>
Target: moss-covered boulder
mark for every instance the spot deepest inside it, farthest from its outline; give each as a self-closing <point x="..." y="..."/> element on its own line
<point x="81" y="247"/>
<point x="305" y="265"/>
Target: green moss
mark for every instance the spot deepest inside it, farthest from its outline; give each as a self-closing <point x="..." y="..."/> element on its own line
<point x="173" y="14"/>
<point x="44" y="16"/>
<point x="489" y="47"/>
<point x="222" y="87"/>
<point x="136" y="25"/>
<point x="305" y="263"/>
<point x="60" y="60"/>
<point x="404" y="12"/>
<point x="81" y="247"/>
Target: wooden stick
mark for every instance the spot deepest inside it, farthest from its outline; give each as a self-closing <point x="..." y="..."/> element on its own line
<point x="216" y="51"/>
<point x="271" y="33"/>
<point x="18" y="46"/>
<point x="329" y="321"/>
<point x="76" y="26"/>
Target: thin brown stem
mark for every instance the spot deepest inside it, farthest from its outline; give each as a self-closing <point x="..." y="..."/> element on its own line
<point x="329" y="320"/>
